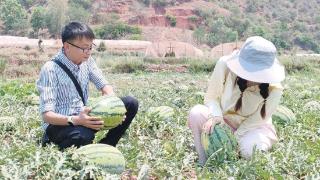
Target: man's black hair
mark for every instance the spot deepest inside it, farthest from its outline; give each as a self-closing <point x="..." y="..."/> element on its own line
<point x="75" y="30"/>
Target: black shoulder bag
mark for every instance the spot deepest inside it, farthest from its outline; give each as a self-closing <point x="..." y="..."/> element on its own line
<point x="74" y="80"/>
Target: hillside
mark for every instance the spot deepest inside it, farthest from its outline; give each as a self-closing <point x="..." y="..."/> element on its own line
<point x="290" y="24"/>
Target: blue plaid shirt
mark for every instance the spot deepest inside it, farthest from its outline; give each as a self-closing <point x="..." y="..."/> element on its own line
<point x="57" y="91"/>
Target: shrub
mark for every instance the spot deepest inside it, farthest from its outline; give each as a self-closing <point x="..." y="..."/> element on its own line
<point x="145" y="2"/>
<point x="101" y="47"/>
<point x="78" y="13"/>
<point x="170" y="54"/>
<point x="307" y="42"/>
<point x="116" y="30"/>
<point x="159" y="3"/>
<point x="103" y="18"/>
<point x="294" y="64"/>
<point x="135" y="37"/>
<point x="172" y="20"/>
<point x="252" y="6"/>
<point x="201" y="66"/>
<point x="27" y="48"/>
<point x="280" y="42"/>
<point x="86" y="4"/>
<point x="129" y="66"/>
<point x="193" y="18"/>
<point x="3" y="64"/>
<point x="205" y="13"/>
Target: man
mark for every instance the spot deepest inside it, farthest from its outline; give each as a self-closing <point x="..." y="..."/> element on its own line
<point x="66" y="119"/>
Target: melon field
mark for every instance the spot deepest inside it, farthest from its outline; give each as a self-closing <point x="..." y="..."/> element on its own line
<point x="161" y="146"/>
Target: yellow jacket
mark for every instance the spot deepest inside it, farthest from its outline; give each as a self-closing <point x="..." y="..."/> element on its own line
<point x="223" y="93"/>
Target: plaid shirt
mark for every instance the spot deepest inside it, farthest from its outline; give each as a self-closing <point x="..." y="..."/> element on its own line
<point x="57" y="91"/>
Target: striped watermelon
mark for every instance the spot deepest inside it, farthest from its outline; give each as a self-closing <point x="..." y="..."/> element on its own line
<point x="107" y="157"/>
<point x="110" y="109"/>
<point x="283" y="116"/>
<point x="312" y="106"/>
<point x="220" y="145"/>
<point x="162" y="112"/>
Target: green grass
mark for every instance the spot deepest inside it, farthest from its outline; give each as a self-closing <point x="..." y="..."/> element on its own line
<point x="166" y="146"/>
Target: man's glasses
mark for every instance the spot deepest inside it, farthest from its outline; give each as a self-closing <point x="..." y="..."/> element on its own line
<point x="85" y="50"/>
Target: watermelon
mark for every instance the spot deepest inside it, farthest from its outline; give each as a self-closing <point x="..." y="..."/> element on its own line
<point x="312" y="106"/>
<point x="107" y="157"/>
<point x="283" y="116"/>
<point x="161" y="112"/>
<point x="110" y="109"/>
<point x="220" y="145"/>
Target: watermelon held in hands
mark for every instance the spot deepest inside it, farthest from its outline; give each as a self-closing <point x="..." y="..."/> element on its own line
<point x="220" y="145"/>
<point x="283" y="116"/>
<point x="109" y="109"/>
<point x="107" y="157"/>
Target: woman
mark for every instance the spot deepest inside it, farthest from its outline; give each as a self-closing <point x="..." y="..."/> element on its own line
<point x="243" y="92"/>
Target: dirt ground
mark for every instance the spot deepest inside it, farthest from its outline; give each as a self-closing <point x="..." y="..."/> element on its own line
<point x="145" y="48"/>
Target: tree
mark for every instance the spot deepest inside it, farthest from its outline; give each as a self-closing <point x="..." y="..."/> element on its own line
<point x="13" y="15"/>
<point x="145" y="2"/>
<point x="77" y="13"/>
<point x="306" y="42"/>
<point x="38" y="19"/>
<point x="27" y="3"/>
<point x="159" y="3"/>
<point x="199" y="35"/>
<point x="252" y="6"/>
<point x="56" y="16"/>
<point x="86" y="4"/>
<point x="220" y="33"/>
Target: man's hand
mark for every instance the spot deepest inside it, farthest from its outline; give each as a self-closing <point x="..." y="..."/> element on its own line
<point x="108" y="90"/>
<point x="208" y="126"/>
<point x="85" y="120"/>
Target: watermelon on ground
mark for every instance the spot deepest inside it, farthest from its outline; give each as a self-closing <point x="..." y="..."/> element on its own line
<point x="110" y="109"/>
<point x="161" y="112"/>
<point x="107" y="157"/>
<point x="283" y="116"/>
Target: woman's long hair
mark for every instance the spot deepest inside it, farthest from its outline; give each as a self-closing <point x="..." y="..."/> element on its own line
<point x="264" y="92"/>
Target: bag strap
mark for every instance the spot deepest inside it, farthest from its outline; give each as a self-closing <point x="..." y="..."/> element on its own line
<point x="74" y="80"/>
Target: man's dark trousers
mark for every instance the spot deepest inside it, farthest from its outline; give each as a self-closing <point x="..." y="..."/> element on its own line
<point x="66" y="136"/>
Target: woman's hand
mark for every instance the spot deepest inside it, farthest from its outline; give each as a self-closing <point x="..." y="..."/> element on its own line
<point x="208" y="126"/>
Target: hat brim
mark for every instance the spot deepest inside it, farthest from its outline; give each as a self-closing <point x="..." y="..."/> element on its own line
<point x="273" y="74"/>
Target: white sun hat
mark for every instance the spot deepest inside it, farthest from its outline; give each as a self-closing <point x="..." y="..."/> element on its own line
<point x="256" y="61"/>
